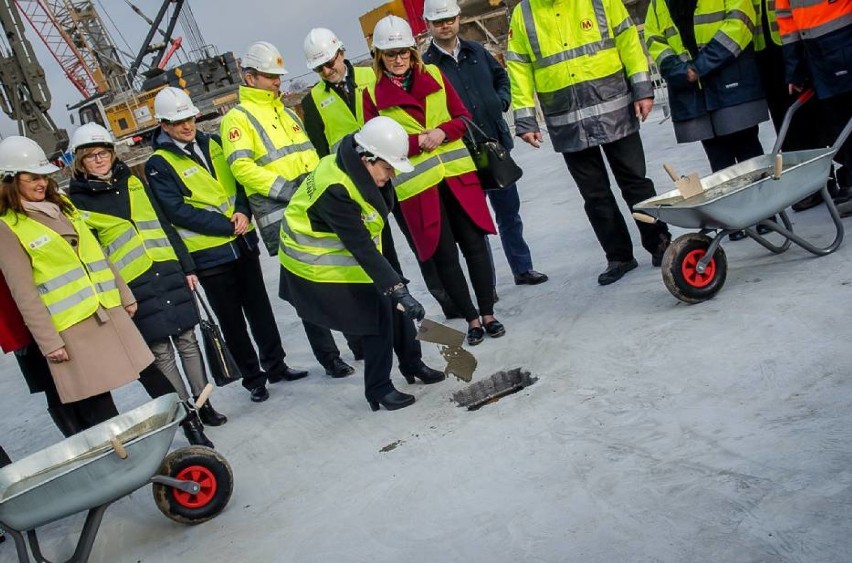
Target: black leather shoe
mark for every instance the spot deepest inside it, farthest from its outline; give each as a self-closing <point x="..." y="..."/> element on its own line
<point x="530" y="278"/>
<point x="616" y="270"/>
<point x="194" y="430"/>
<point x="339" y="368"/>
<point x="210" y="416"/>
<point x="475" y="335"/>
<point x="495" y="329"/>
<point x="811" y="201"/>
<point x="843" y="195"/>
<point x="425" y="374"/>
<point x="285" y="373"/>
<point x="392" y="401"/>
<point x="737" y="235"/>
<point x="259" y="394"/>
<point x="660" y="251"/>
<point x="761" y="230"/>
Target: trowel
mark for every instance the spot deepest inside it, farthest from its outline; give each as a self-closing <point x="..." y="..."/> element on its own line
<point x="460" y="362"/>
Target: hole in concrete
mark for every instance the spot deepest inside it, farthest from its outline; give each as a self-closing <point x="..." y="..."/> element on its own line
<point x="493" y="388"/>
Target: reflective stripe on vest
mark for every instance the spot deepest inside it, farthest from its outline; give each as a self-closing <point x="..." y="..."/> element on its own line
<point x="448" y="160"/>
<point x="134" y="245"/>
<point x="319" y="256"/>
<point x="217" y="195"/>
<point x="336" y="116"/>
<point x="71" y="283"/>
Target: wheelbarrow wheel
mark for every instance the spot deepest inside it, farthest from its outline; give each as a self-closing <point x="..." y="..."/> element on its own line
<point x="680" y="272"/>
<point x="207" y="468"/>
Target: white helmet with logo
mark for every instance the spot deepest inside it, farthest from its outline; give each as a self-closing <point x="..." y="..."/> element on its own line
<point x="90" y="134"/>
<point x="393" y="32"/>
<point x="321" y="46"/>
<point x="386" y="139"/>
<point x="440" y="9"/>
<point x="21" y="154"/>
<point x="263" y="56"/>
<point x="173" y="104"/>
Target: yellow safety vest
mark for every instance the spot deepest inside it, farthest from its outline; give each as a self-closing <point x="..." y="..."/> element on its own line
<point x="449" y="159"/>
<point x="268" y="150"/>
<point x="217" y="194"/>
<point x="318" y="256"/>
<point x="584" y="61"/>
<point x="71" y="283"/>
<point x="336" y="116"/>
<point x="714" y="19"/>
<point x="774" y="33"/>
<point x="134" y="245"/>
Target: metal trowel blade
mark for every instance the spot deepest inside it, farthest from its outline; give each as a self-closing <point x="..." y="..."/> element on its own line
<point x="431" y="331"/>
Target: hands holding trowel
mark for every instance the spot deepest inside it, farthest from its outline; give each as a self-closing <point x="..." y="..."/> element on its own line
<point x="410" y="307"/>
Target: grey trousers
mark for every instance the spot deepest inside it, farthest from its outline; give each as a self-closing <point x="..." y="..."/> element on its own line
<point x="190" y="359"/>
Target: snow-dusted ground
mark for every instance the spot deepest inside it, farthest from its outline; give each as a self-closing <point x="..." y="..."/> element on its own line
<point x="657" y="431"/>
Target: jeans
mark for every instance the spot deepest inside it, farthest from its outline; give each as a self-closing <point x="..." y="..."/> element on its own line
<point x="506" y="204"/>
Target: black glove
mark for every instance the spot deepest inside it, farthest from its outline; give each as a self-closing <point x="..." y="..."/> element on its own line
<point x="410" y="307"/>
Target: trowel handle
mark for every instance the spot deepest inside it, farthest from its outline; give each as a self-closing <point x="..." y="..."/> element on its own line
<point x="118" y="447"/>
<point x="643" y="217"/>
<point x="204" y="395"/>
<point x="671" y="172"/>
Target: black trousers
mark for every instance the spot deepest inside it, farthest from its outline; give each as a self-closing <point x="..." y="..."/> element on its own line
<point x="626" y="158"/>
<point x="237" y="293"/>
<point x="838" y="110"/>
<point x="378" y="353"/>
<point x="458" y="231"/>
<point x="323" y="345"/>
<point x="727" y="150"/>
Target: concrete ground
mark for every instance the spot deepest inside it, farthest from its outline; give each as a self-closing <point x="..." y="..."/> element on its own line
<point x="657" y="432"/>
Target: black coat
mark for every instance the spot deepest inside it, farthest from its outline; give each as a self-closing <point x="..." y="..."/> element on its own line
<point x="170" y="191"/>
<point x="352" y="308"/>
<point x="314" y="125"/>
<point x="482" y="84"/>
<point x="165" y="304"/>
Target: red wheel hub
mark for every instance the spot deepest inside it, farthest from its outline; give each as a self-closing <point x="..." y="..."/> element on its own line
<point x="204" y="477"/>
<point x="689" y="269"/>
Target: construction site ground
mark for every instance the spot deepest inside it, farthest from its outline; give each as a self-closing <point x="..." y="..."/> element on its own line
<point x="656" y="432"/>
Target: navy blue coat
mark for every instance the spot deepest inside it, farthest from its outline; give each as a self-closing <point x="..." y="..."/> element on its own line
<point x="482" y="84"/>
<point x="170" y="191"/>
<point x="165" y="304"/>
<point x="824" y="61"/>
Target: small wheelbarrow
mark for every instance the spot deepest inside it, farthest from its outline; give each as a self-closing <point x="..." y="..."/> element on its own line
<point x="740" y="197"/>
<point x="93" y="469"/>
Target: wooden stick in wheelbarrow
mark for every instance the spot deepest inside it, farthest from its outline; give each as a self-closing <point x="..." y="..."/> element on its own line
<point x="118" y="447"/>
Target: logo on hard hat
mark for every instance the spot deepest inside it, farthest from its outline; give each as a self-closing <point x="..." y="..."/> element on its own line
<point x="586" y="24"/>
<point x="279" y="61"/>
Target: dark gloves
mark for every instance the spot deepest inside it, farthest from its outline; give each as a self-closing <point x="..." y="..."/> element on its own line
<point x="410" y="307"/>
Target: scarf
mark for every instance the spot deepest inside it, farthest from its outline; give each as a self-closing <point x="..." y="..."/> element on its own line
<point x="405" y="81"/>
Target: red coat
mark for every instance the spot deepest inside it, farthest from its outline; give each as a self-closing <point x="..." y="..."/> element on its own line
<point x="423" y="212"/>
<point x="13" y="332"/>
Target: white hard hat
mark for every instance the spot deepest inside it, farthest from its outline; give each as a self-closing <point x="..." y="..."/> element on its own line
<point x="440" y="9"/>
<point x="393" y="32"/>
<point x="386" y="139"/>
<point x="321" y="46"/>
<point x="88" y="135"/>
<point x="262" y="56"/>
<point x="173" y="104"/>
<point x="21" y="154"/>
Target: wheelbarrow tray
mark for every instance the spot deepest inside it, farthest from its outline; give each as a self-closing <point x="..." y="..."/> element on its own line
<point x="744" y="194"/>
<point x="84" y="471"/>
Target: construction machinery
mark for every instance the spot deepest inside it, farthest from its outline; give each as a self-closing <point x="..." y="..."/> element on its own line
<point x="117" y="88"/>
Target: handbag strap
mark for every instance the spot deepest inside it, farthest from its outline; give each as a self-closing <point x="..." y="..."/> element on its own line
<point x="200" y="300"/>
<point x="471" y="127"/>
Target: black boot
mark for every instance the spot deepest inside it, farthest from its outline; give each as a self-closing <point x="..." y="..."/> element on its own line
<point x="194" y="430"/>
<point x="210" y="416"/>
<point x="425" y="374"/>
<point x="65" y="419"/>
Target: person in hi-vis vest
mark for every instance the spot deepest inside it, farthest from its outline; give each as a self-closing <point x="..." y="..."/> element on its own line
<point x="191" y="180"/>
<point x="269" y="154"/>
<point x="332" y="254"/>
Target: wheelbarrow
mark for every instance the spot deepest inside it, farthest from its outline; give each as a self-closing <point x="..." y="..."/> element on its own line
<point x="93" y="469"/>
<point x="741" y="197"/>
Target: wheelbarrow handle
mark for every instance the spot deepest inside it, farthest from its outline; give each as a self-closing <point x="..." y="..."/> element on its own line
<point x="788" y="117"/>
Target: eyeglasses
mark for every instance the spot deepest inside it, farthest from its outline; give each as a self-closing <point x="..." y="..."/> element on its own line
<point x="100" y="155"/>
<point x="328" y="64"/>
<point x="180" y="121"/>
<point x="400" y="54"/>
<point x="443" y="22"/>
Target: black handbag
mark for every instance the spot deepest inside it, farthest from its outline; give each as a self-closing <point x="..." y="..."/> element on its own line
<point x="494" y="165"/>
<point x="221" y="363"/>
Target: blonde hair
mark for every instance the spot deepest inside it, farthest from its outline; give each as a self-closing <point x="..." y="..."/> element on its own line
<point x="379" y="65"/>
<point x="83" y="152"/>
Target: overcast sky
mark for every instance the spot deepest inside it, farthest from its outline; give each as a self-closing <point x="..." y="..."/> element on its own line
<point x="229" y="25"/>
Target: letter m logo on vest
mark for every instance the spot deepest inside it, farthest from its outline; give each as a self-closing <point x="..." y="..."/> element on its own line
<point x="586" y="24"/>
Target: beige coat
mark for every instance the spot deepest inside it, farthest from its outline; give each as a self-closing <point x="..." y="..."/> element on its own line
<point x="106" y="350"/>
